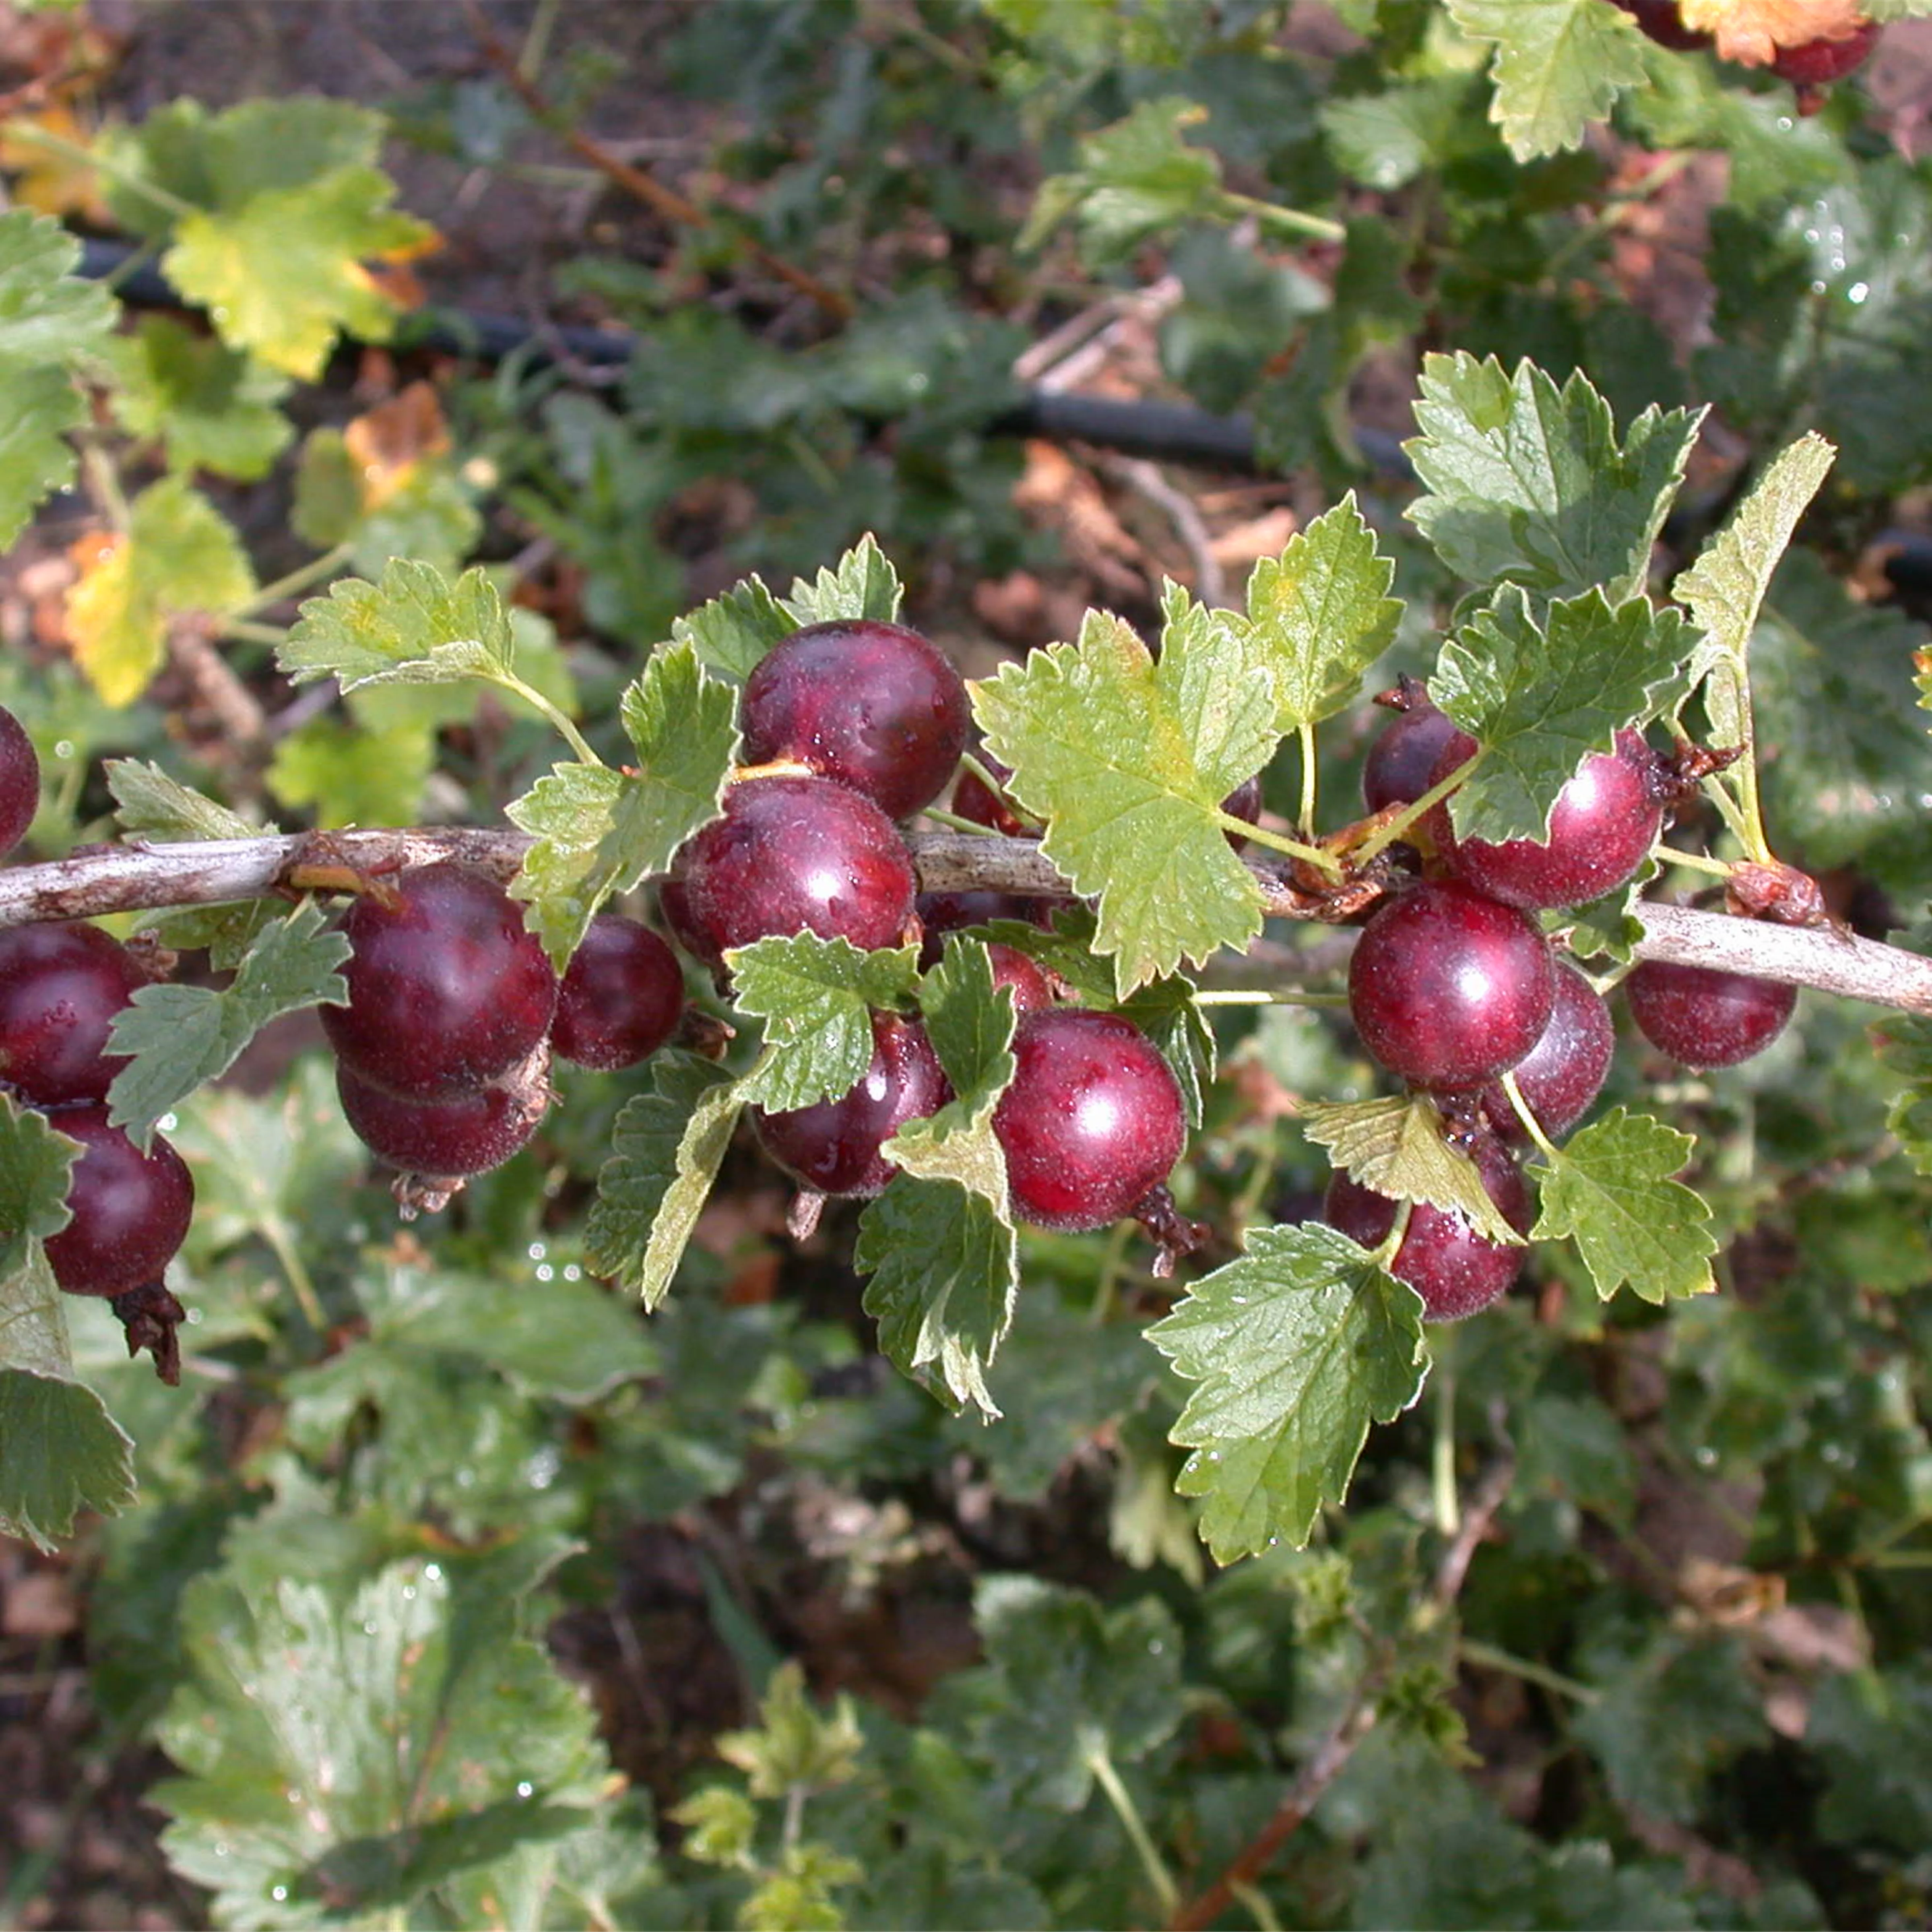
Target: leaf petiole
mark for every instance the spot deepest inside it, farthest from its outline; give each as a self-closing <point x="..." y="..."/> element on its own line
<point x="509" y="681"/>
<point x="1411" y="814"/>
<point x="1276" y="841"/>
<point x="1101" y="1766"/>
<point x="1305" y="735"/>
<point x="1531" y="1124"/>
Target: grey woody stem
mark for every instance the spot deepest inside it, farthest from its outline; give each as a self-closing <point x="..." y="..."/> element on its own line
<point x="136" y="875"/>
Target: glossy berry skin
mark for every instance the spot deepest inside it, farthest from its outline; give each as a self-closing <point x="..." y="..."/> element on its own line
<point x="1562" y="1074"/>
<point x="832" y="1146"/>
<point x="1093" y="1121"/>
<point x="1818" y="63"/>
<point x="19" y="781"/>
<point x="1030" y="989"/>
<point x="1396" y="770"/>
<point x="874" y="706"/>
<point x="973" y="799"/>
<point x="1702" y="1018"/>
<point x="468" y="1134"/>
<point x="1244" y="802"/>
<point x="942" y="913"/>
<point x="1454" y="1269"/>
<point x="1601" y="828"/>
<point x="1449" y="987"/>
<point x="447" y="990"/>
<point x="675" y="905"/>
<point x="1660" y="20"/>
<point x="60" y="988"/>
<point x="131" y="1210"/>
<point x="798" y="855"/>
<point x="621" y="998"/>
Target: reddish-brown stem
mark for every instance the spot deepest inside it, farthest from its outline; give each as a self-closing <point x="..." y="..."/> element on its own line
<point x="137" y="876"/>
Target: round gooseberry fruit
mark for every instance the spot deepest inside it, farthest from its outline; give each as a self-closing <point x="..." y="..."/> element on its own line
<point x="1449" y="987"/>
<point x="131" y="1210"/>
<point x="60" y="988"/>
<point x="1818" y="63"/>
<point x="832" y="1146"/>
<point x="1093" y="1122"/>
<point x="874" y="706"/>
<point x="1601" y="829"/>
<point x="1456" y="1271"/>
<point x="1396" y="770"/>
<point x="621" y="996"/>
<point x="19" y="781"/>
<point x="1703" y="1018"/>
<point x="447" y="989"/>
<point x="1564" y="1071"/>
<point x="467" y="1134"/>
<point x="1659" y="20"/>
<point x="798" y="855"/>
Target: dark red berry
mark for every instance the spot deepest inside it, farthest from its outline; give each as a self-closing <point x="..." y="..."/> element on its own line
<point x="1703" y="1018"/>
<point x="1601" y="829"/>
<point x="874" y="706"/>
<point x="675" y="905"/>
<point x="466" y="1134"/>
<point x="1093" y="1121"/>
<point x="1397" y="769"/>
<point x="1564" y="1071"/>
<point x="974" y="799"/>
<point x="799" y="855"/>
<point x="19" y="781"/>
<point x="131" y="1210"/>
<point x="621" y="996"/>
<point x="832" y="1146"/>
<point x="447" y="990"/>
<point x="1454" y="1269"/>
<point x="1661" y="22"/>
<point x="1449" y="987"/>
<point x="1031" y="991"/>
<point x="941" y="913"/>
<point x="60" y="988"/>
<point x="1244" y="802"/>
<point x="1818" y="63"/>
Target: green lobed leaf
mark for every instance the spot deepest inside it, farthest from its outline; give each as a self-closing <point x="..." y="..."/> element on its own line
<point x="1872" y="1731"/>
<point x="1321" y="613"/>
<point x="281" y="273"/>
<point x="863" y="583"/>
<point x="209" y="406"/>
<point x="1609" y="1189"/>
<point x="599" y="832"/>
<point x="1541" y="698"/>
<point x="1126" y="760"/>
<point x="1724" y="589"/>
<point x="1068" y="1685"/>
<point x="668" y="1145"/>
<point x="1609" y="927"/>
<point x="816" y="996"/>
<point x="181" y="1037"/>
<point x="1296" y="1348"/>
<point x="732" y="633"/>
<point x="1559" y="65"/>
<point x="36" y="459"/>
<point x="149" y="804"/>
<point x="348" y="1744"/>
<point x="1903" y="1043"/>
<point x="412" y="627"/>
<point x="939" y="1243"/>
<point x="347" y="772"/>
<point x="794" y="1743"/>
<point x="61" y="1453"/>
<point x="1395" y="1145"/>
<point x="1527" y="482"/>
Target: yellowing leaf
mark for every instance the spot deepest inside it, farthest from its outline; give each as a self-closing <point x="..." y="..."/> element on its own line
<point x="178" y="555"/>
<point x="1752" y="31"/>
<point x="391" y="443"/>
<point x="49" y="179"/>
<point x="283" y="272"/>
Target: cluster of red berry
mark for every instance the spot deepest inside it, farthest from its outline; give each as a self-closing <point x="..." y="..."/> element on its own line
<point x="1453" y="984"/>
<point x="61" y="985"/>
<point x="847" y="727"/>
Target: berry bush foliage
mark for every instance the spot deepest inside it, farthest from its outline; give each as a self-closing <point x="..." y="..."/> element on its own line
<point x="1345" y="1160"/>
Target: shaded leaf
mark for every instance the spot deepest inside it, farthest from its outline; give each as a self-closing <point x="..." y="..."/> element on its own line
<point x="1296" y="1349"/>
<point x="1559" y="65"/>
<point x="149" y="804"/>
<point x="61" y="1453"/>
<point x="668" y="1145"/>
<point x="209" y="406"/>
<point x="1395" y="1145"/>
<point x="1904" y="1045"/>
<point x="1609" y="1189"/>
<point x="1872" y="1730"/>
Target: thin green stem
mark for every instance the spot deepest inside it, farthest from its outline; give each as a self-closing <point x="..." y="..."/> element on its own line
<point x="37" y="137"/>
<point x="245" y="630"/>
<point x="1291" y="220"/>
<point x="1403" y="820"/>
<point x="1474" y="1651"/>
<point x="1720" y="794"/>
<point x="536" y="42"/>
<point x="1113" y="1263"/>
<point x="531" y="696"/>
<point x="1384" y="1257"/>
<point x="104" y="481"/>
<point x="1109" y="1779"/>
<point x="1266" y="996"/>
<point x="1447" y="1504"/>
<point x="968" y="762"/>
<point x="1260" y="834"/>
<point x="1305" y="734"/>
<point x="297" y="579"/>
<point x="956" y="823"/>
<point x="1253" y="1898"/>
<point x="1747" y="820"/>
<point x="1531" y="1126"/>
<point x="301" y="1285"/>
<point x="130" y="266"/>
<point x="1697" y="862"/>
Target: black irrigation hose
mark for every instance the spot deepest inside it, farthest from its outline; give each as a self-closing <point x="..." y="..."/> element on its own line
<point x="1166" y="432"/>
